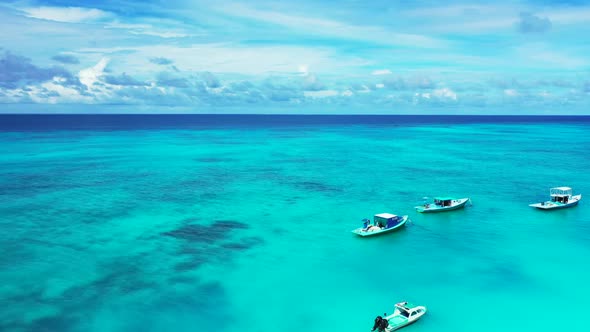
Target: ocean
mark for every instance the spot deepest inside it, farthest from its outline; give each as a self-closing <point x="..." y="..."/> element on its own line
<point x="243" y="222"/>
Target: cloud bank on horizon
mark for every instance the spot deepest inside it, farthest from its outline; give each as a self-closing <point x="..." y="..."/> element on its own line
<point x="348" y="56"/>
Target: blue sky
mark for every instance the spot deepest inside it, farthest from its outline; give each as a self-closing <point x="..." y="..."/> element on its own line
<point x="295" y="56"/>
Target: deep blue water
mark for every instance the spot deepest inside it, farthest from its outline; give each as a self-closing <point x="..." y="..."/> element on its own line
<point x="9" y="122"/>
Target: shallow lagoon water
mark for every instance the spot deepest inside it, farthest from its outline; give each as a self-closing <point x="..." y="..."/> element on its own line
<point x="245" y="224"/>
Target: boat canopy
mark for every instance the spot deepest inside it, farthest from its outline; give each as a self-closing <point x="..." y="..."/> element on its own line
<point x="560" y="191"/>
<point x="443" y="201"/>
<point x="386" y="220"/>
<point x="385" y="215"/>
<point x="444" y="198"/>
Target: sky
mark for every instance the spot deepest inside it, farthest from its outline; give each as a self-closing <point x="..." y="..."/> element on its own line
<point x="305" y="56"/>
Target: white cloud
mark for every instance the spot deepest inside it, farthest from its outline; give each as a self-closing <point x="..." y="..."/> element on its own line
<point x="544" y="55"/>
<point x="511" y="92"/>
<point x="379" y="85"/>
<point x="303" y="69"/>
<point x="327" y="27"/>
<point x="320" y="94"/>
<point x="476" y="26"/>
<point x="477" y="18"/>
<point x="227" y="58"/>
<point x="381" y="72"/>
<point x="363" y="89"/>
<point x="571" y="15"/>
<point x="545" y="94"/>
<point x="65" y="94"/>
<point x="149" y="30"/>
<point x="312" y="83"/>
<point x="560" y="59"/>
<point x="436" y="96"/>
<point x="453" y="11"/>
<point x="51" y="92"/>
<point x="91" y="75"/>
<point x="66" y="14"/>
<point x="445" y="93"/>
<point x="465" y="18"/>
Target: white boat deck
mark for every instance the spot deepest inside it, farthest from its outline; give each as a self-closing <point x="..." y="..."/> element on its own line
<point x="548" y="205"/>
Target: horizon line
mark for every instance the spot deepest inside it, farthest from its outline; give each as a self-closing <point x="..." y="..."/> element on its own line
<point x="301" y="114"/>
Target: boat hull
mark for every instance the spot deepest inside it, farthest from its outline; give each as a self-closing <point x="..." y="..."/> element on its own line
<point x="399" y="326"/>
<point x="360" y="232"/>
<point x="397" y="321"/>
<point x="434" y="208"/>
<point x="556" y="205"/>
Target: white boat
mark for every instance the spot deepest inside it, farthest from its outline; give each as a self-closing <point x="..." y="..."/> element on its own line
<point x="404" y="315"/>
<point x="382" y="223"/>
<point x="442" y="204"/>
<point x="561" y="197"/>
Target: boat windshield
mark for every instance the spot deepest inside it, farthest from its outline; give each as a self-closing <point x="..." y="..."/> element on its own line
<point x="443" y="201"/>
<point x="404" y="313"/>
<point x="560" y="199"/>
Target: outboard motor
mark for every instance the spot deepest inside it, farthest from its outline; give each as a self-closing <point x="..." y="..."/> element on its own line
<point x="378" y="322"/>
<point x="383" y="325"/>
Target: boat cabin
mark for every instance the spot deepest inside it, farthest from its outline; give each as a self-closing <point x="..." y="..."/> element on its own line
<point x="443" y="201"/>
<point x="386" y="220"/>
<point x="408" y="310"/>
<point x="560" y="194"/>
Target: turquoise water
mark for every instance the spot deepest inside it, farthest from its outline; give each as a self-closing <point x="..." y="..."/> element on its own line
<point x="247" y="227"/>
